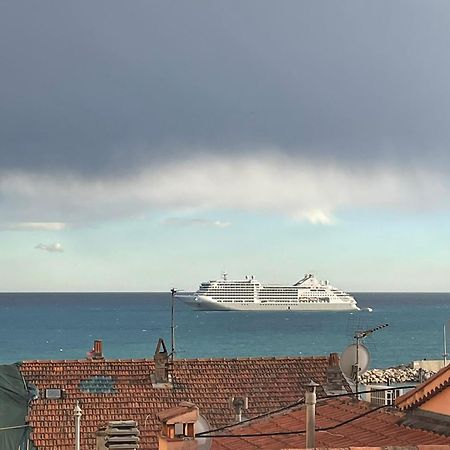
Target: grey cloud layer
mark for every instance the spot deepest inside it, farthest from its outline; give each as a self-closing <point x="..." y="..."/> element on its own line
<point x="95" y="87"/>
<point x="293" y="187"/>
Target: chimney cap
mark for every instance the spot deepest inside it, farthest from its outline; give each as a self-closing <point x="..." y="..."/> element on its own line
<point x="161" y="347"/>
<point x="311" y="385"/>
<point x="77" y="410"/>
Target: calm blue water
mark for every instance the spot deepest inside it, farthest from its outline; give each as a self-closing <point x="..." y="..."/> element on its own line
<point x="63" y="326"/>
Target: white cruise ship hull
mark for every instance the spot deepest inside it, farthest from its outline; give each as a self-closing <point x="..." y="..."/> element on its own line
<point x="308" y="294"/>
<point x="204" y="303"/>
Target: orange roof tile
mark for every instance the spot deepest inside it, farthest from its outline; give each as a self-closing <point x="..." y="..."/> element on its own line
<point x="122" y="389"/>
<point x="426" y="390"/>
<point x="379" y="428"/>
<point x="409" y="447"/>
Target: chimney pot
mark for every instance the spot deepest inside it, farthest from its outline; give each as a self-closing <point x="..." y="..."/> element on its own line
<point x="98" y="349"/>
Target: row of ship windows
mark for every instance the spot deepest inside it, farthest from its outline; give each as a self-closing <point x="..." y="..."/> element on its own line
<point x="227" y="284"/>
<point x="275" y="288"/>
<point x="261" y="296"/>
<point x="265" y="294"/>
<point x="268" y="294"/>
<point x="266" y="297"/>
<point x="298" y="301"/>
<point x="277" y="301"/>
<point x="265" y="289"/>
<point x="230" y="290"/>
<point x="224" y="289"/>
<point x="247" y="286"/>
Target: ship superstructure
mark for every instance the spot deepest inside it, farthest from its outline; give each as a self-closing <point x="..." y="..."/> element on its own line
<point x="308" y="294"/>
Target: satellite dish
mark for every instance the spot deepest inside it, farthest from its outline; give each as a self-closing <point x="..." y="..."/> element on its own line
<point x="353" y="365"/>
<point x="202" y="425"/>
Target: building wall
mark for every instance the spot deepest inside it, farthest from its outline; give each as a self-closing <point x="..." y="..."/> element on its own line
<point x="440" y="403"/>
<point x="429" y="364"/>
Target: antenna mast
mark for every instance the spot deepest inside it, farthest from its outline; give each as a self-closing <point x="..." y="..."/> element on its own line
<point x="172" y="325"/>
<point x="445" y="354"/>
<point x="359" y="336"/>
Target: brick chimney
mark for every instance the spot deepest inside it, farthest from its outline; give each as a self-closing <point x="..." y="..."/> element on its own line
<point x="334" y="384"/>
<point x="178" y="432"/>
<point x="161" y="376"/>
<point x="97" y="351"/>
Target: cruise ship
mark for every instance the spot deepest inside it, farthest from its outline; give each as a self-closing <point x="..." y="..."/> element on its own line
<point x="308" y="294"/>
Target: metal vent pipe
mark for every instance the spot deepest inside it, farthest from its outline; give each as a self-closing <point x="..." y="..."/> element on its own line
<point x="77" y="415"/>
<point x="310" y="401"/>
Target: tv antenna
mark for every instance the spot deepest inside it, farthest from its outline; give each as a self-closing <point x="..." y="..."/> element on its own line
<point x="444" y="336"/>
<point x="355" y="359"/>
<point x="173" y="291"/>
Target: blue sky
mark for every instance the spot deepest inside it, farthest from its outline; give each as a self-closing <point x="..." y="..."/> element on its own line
<point x="156" y="144"/>
<point x="361" y="252"/>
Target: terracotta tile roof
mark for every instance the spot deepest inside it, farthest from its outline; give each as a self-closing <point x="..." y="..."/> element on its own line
<point x="122" y="390"/>
<point x="409" y="447"/>
<point x="426" y="390"/>
<point x="379" y="428"/>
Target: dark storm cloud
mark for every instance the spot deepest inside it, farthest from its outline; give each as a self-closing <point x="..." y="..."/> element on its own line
<point x="101" y="86"/>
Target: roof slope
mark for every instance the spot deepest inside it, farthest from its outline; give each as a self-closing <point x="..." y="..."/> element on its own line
<point x="122" y="389"/>
<point x="426" y="390"/>
<point x="379" y="428"/>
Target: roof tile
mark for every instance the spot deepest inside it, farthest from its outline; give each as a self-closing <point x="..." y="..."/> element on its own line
<point x="378" y="428"/>
<point x="122" y="389"/>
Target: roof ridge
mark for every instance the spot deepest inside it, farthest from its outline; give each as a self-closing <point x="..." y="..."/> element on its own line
<point x="254" y="358"/>
<point x="86" y="360"/>
<point x="218" y="358"/>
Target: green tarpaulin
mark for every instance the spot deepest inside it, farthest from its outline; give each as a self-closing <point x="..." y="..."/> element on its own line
<point x="13" y="408"/>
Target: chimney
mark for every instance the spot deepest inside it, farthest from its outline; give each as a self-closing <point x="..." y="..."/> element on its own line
<point x="97" y="351"/>
<point x="334" y="383"/>
<point x="310" y="401"/>
<point x="239" y="404"/>
<point x="178" y="427"/>
<point x="161" y="376"/>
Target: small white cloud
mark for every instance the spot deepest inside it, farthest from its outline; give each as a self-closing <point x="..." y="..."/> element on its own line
<point x="186" y="222"/>
<point x="36" y="226"/>
<point x="316" y="217"/>
<point x="54" y="247"/>
<point x="220" y="224"/>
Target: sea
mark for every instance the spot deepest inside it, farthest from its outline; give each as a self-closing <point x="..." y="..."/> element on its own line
<point x="64" y="325"/>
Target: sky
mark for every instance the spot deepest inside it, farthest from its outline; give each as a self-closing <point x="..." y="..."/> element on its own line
<point x="147" y="145"/>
